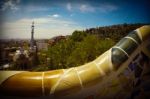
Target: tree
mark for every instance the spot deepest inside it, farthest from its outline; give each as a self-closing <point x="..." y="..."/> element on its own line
<point x="78" y="35"/>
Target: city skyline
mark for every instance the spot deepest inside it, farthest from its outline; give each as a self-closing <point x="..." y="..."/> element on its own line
<point x="62" y="17"/>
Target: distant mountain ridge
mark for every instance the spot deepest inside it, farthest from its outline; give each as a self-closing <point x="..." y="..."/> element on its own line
<point x="115" y="32"/>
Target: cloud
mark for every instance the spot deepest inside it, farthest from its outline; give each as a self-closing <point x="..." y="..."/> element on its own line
<point x="10" y="5"/>
<point x="55" y="15"/>
<point x="91" y="7"/>
<point x="45" y="27"/>
<point x="103" y="8"/>
<point x="72" y="15"/>
<point x="80" y="7"/>
<point x="106" y="7"/>
<point x="86" y="8"/>
<point x="69" y="6"/>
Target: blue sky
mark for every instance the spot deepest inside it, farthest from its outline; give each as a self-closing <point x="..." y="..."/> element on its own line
<point x="62" y="17"/>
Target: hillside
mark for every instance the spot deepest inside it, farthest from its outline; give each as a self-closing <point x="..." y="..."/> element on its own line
<point x="114" y="32"/>
<point x="82" y="46"/>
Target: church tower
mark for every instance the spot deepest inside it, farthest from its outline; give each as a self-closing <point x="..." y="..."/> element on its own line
<point x="33" y="57"/>
<point x="32" y="41"/>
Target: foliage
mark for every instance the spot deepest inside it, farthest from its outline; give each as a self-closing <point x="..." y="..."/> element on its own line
<point x="82" y="46"/>
<point x="74" y="52"/>
<point x="116" y="32"/>
<point x="78" y="35"/>
<point x="87" y="50"/>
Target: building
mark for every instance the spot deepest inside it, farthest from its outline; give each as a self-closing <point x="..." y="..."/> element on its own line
<point x="32" y="41"/>
<point x="26" y="59"/>
<point x="41" y="45"/>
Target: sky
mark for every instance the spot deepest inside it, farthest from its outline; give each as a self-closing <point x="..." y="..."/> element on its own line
<point x="62" y="17"/>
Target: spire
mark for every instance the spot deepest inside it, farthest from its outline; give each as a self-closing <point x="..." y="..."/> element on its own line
<point x="32" y="31"/>
<point x="32" y="42"/>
